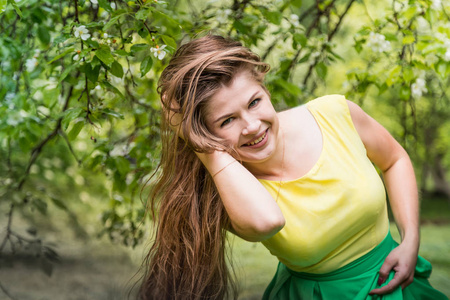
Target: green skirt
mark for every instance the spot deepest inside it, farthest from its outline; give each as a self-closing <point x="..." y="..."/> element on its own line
<point x="353" y="281"/>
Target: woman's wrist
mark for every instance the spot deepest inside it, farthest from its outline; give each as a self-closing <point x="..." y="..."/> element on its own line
<point x="216" y="161"/>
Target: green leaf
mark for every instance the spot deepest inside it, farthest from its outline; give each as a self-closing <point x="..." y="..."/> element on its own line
<point x="405" y="92"/>
<point x="104" y="54"/>
<point x="146" y="65"/>
<point x="122" y="164"/>
<point x="394" y="74"/>
<point x="70" y="115"/>
<point x="70" y="50"/>
<point x="408" y="74"/>
<point x="65" y="73"/>
<point x="289" y="87"/>
<point x="122" y="52"/>
<point x="40" y="205"/>
<point x="142" y="14"/>
<point x="240" y="27"/>
<point x="58" y="203"/>
<point x="112" y="113"/>
<point x="410" y="12"/>
<point x="139" y="47"/>
<point x="3" y="4"/>
<point x="409" y="39"/>
<point x="273" y="17"/>
<point x="111" y="22"/>
<point x="297" y="3"/>
<point x="92" y="73"/>
<point x="75" y="130"/>
<point x="13" y="3"/>
<point x="169" y="41"/>
<point x="119" y="183"/>
<point x="116" y="69"/>
<point x="43" y="35"/>
<point x="110" y="86"/>
<point x="300" y="39"/>
<point x="321" y="70"/>
<point x="105" y="5"/>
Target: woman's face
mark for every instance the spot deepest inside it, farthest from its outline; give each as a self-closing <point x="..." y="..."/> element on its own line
<point x="244" y="117"/>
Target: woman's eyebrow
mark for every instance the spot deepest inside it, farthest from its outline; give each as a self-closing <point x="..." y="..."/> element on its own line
<point x="229" y="115"/>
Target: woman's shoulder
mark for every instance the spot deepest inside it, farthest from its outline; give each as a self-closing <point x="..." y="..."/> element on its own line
<point x="328" y="102"/>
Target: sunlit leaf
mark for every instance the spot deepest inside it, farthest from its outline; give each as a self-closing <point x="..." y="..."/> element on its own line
<point x="146" y="65"/>
<point x="104" y="54"/>
<point x="116" y="69"/>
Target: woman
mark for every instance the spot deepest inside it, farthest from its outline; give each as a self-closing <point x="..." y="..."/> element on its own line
<point x="300" y="181"/>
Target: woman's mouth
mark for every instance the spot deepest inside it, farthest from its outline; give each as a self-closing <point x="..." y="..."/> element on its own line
<point x="257" y="141"/>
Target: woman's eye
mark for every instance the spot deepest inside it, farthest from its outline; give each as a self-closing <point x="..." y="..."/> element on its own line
<point x="254" y="102"/>
<point x="226" y="122"/>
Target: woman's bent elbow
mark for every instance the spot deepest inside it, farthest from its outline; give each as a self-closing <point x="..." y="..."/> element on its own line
<point x="263" y="229"/>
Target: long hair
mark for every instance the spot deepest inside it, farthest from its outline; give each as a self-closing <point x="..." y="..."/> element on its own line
<point x="188" y="257"/>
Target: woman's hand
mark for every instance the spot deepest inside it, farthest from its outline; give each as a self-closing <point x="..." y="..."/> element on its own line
<point x="402" y="260"/>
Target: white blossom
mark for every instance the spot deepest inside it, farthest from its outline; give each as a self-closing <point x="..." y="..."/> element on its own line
<point x="76" y="57"/>
<point x="418" y="88"/>
<point x="159" y="52"/>
<point x="431" y="59"/>
<point x="436" y="4"/>
<point x="31" y="64"/>
<point x="377" y="42"/>
<point x="105" y="35"/>
<point x="222" y="15"/>
<point x="94" y="1"/>
<point x="9" y="96"/>
<point x="294" y="20"/>
<point x="82" y="32"/>
<point x="447" y="55"/>
<point x="113" y="5"/>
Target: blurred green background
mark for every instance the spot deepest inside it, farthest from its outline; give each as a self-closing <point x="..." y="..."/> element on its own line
<point x="79" y="121"/>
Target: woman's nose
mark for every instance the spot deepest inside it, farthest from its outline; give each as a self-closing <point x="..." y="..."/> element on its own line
<point x="252" y="127"/>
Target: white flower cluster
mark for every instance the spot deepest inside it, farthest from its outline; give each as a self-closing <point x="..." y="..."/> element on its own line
<point x="159" y="52"/>
<point x="294" y="20"/>
<point x="418" y="88"/>
<point x="82" y="32"/>
<point x="222" y="15"/>
<point x="377" y="42"/>
<point x="32" y="63"/>
<point x="436" y="4"/>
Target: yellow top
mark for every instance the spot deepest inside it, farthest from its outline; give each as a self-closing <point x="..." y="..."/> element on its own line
<point x="336" y="212"/>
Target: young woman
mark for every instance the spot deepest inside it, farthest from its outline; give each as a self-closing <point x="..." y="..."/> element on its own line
<point x="300" y="181"/>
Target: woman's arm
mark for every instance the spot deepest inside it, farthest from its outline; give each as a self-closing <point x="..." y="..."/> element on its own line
<point x="387" y="154"/>
<point x="254" y="214"/>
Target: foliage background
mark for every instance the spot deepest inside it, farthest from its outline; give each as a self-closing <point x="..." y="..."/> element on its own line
<point x="79" y="112"/>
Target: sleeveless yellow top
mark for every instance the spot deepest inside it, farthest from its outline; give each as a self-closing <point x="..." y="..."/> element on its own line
<point x="336" y="212"/>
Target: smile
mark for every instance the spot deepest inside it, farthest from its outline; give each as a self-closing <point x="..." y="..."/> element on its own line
<point x="257" y="141"/>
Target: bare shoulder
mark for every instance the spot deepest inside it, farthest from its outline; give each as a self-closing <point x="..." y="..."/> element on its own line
<point x="292" y="115"/>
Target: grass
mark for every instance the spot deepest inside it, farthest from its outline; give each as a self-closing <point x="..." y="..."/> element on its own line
<point x="96" y="269"/>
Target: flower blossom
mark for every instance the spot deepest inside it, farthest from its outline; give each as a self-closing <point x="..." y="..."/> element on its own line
<point x="159" y="52"/>
<point x="378" y="43"/>
<point x="222" y="15"/>
<point x="82" y="32"/>
<point x="447" y="55"/>
<point x="295" y="20"/>
<point x="31" y="64"/>
<point x="94" y="1"/>
<point x="436" y="4"/>
<point x="418" y="88"/>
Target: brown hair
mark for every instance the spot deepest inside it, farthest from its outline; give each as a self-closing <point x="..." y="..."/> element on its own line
<point x="188" y="259"/>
